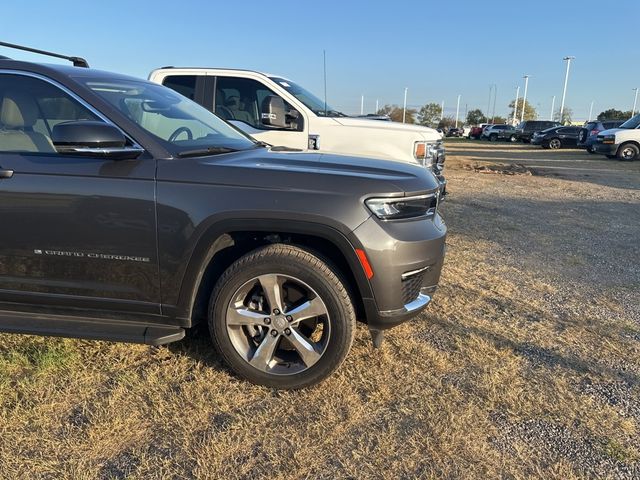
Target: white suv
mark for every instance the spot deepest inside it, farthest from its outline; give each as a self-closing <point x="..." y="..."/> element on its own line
<point x="280" y="112"/>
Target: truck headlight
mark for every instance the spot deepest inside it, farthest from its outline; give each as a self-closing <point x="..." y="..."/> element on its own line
<point x="404" y="207"/>
<point x="426" y="152"/>
<point x="610" y="139"/>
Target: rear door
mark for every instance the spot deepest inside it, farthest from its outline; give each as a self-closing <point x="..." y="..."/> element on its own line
<point x="75" y="231"/>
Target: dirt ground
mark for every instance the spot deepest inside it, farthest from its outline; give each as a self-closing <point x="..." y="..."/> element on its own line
<point x="527" y="363"/>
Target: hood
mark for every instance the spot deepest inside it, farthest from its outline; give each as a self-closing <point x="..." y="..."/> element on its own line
<point x="330" y="173"/>
<point x="426" y="132"/>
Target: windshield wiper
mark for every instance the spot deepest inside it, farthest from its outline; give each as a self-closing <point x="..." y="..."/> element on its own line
<point x="261" y="144"/>
<point x="206" y="151"/>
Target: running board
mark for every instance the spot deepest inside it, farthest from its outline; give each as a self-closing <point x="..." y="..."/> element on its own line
<point x="89" y="328"/>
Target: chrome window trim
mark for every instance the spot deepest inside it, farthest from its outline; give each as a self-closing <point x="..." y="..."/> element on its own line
<point x="84" y="103"/>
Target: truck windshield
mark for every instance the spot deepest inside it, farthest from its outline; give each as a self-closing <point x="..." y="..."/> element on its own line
<point x="312" y="102"/>
<point x="633" y="122"/>
<point x="180" y="124"/>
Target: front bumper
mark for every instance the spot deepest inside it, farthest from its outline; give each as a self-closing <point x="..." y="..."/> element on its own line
<point x="406" y="258"/>
<point x="537" y="140"/>
<point x="605" y="148"/>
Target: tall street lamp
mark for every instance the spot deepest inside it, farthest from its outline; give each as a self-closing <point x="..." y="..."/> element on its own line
<point x="404" y="107"/>
<point x="566" y="80"/>
<point x="515" y="108"/>
<point x="635" y="102"/>
<point x="458" y="110"/>
<point x="524" y="97"/>
<point x="553" y="105"/>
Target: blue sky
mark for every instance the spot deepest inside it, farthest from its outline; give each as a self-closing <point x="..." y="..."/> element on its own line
<point x="374" y="48"/>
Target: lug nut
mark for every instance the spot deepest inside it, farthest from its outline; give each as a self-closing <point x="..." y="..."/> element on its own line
<point x="276" y="312"/>
<point x="267" y="321"/>
<point x="274" y="333"/>
<point x="287" y="331"/>
<point x="289" y="318"/>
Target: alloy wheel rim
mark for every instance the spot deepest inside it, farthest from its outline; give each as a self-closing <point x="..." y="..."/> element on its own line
<point x="628" y="153"/>
<point x="278" y="324"/>
<point x="554" y="144"/>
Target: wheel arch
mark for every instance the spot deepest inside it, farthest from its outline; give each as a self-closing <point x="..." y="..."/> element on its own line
<point x="223" y="243"/>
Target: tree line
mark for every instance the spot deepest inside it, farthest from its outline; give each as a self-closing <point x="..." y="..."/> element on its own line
<point x="430" y="115"/>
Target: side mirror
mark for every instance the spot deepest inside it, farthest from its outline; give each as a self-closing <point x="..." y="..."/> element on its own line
<point x="92" y="139"/>
<point x="273" y="113"/>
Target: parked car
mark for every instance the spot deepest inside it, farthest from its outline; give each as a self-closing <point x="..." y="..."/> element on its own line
<point x="248" y="100"/>
<point x="494" y="133"/>
<point x="476" y="132"/>
<point x="455" y="132"/>
<point x="557" y="137"/>
<point x="589" y="133"/>
<point x="132" y="214"/>
<point x="622" y="143"/>
<point x="526" y="129"/>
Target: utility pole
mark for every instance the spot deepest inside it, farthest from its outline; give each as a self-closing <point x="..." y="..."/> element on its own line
<point x="635" y="102"/>
<point x="515" y="108"/>
<point x="458" y="110"/>
<point x="489" y="104"/>
<point x="495" y="97"/>
<point x="404" y="107"/>
<point x="553" y="105"/>
<point x="524" y="97"/>
<point x="566" y="80"/>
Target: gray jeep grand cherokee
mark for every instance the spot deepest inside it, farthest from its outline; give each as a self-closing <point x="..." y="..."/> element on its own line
<point x="130" y="213"/>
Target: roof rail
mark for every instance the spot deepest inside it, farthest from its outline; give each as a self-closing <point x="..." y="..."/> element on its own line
<point x="77" y="61"/>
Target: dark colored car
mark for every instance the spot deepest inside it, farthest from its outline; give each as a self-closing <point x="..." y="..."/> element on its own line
<point x="557" y="137"/>
<point x="526" y="129"/>
<point x="455" y="132"/>
<point x="589" y="133"/>
<point x="130" y="213"/>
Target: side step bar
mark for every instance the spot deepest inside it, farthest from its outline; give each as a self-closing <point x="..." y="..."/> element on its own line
<point x="89" y="328"/>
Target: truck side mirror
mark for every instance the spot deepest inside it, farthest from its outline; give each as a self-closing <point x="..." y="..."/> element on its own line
<point x="273" y="112"/>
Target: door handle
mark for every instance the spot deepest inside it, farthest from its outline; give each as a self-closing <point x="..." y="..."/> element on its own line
<point x="5" y="173"/>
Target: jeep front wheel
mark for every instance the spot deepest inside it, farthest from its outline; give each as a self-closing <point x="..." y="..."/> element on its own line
<point x="281" y="317"/>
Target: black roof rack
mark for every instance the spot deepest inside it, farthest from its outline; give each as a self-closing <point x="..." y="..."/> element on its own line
<point x="77" y="61"/>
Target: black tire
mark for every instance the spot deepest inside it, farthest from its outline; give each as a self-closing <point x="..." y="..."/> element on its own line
<point x="493" y="137"/>
<point x="591" y="150"/>
<point x="513" y="139"/>
<point x="554" y="143"/>
<point x="628" y="152"/>
<point x="295" y="263"/>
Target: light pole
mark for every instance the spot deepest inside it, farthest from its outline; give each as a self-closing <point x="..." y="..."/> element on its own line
<point x="553" y="105"/>
<point x="489" y="104"/>
<point x="377" y="106"/>
<point x="524" y="97"/>
<point x="404" y="107"/>
<point x="458" y="110"/>
<point x="566" y="80"/>
<point x="495" y="96"/>
<point x="590" y="111"/>
<point x="635" y="102"/>
<point x="515" y="108"/>
<point x="442" y="111"/>
<point x="362" y="105"/>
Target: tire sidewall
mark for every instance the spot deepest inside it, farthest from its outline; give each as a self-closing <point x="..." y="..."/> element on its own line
<point x="341" y="318"/>
<point x="626" y="146"/>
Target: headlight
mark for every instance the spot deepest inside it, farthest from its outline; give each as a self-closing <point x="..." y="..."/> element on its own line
<point x="611" y="139"/>
<point x="426" y="153"/>
<point x="404" y="207"/>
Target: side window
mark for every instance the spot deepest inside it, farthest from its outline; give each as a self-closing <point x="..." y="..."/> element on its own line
<point x="185" y="85"/>
<point x="241" y="99"/>
<point x="30" y="109"/>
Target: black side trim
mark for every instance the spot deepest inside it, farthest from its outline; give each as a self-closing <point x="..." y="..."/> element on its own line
<point x="89" y="328"/>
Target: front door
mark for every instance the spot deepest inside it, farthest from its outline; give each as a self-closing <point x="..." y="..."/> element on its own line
<point x="74" y="231"/>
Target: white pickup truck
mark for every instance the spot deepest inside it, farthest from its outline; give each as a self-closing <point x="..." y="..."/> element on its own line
<point x="277" y="111"/>
<point x="622" y="142"/>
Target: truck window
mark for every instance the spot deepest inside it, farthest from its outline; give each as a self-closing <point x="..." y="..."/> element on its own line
<point x="241" y="99"/>
<point x="183" y="84"/>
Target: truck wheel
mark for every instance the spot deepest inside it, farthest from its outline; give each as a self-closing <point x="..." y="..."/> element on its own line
<point x="555" y="143"/>
<point x="628" y="152"/>
<point x="281" y="317"/>
<point x="493" y="137"/>
<point x="513" y="139"/>
<point x="591" y="150"/>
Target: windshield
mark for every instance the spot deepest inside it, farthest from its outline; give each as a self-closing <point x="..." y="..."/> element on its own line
<point x="632" y="122"/>
<point x="312" y="102"/>
<point x="179" y="123"/>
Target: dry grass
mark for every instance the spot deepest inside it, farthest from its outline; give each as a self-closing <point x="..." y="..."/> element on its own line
<point x="522" y="367"/>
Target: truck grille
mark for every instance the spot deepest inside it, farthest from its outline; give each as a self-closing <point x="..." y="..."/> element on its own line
<point x="411" y="287"/>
